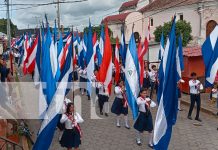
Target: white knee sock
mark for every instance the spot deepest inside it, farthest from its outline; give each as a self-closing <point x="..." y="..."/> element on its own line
<point x="138" y="136"/>
<point x="150" y="138"/>
<point x="118" y="120"/>
<point x="106" y="107"/>
<point x="126" y="121"/>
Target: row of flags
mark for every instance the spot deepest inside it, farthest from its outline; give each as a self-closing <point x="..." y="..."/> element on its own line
<point x="52" y="61"/>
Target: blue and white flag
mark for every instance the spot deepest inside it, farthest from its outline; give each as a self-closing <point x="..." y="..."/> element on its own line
<point x="167" y="94"/>
<point x="52" y="115"/>
<point x="60" y="44"/>
<point x="54" y="56"/>
<point x="90" y="60"/>
<point x="179" y="58"/>
<point x="161" y="51"/>
<point x="101" y="46"/>
<point x="123" y="48"/>
<point x="210" y="56"/>
<point x="132" y="80"/>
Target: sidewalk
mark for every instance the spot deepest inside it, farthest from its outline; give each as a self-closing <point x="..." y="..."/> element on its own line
<point x="205" y="104"/>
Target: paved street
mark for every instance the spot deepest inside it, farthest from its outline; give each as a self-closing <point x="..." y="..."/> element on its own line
<point x="104" y="135"/>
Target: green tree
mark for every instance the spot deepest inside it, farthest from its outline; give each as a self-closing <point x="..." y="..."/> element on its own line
<point x="97" y="29"/>
<point x="3" y="27"/>
<point x="182" y="27"/>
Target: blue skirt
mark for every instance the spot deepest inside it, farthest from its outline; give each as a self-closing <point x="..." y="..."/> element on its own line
<point x="146" y="83"/>
<point x="70" y="138"/>
<point x="144" y="122"/>
<point x="117" y="107"/>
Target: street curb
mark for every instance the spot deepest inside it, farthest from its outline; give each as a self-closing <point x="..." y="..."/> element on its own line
<point x="203" y="109"/>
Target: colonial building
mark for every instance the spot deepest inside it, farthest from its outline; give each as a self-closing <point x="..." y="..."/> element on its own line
<point x="135" y="16"/>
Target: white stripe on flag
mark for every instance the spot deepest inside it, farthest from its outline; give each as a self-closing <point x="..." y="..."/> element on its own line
<point x="57" y="101"/>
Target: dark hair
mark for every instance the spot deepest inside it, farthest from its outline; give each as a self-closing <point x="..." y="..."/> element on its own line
<point x="142" y="90"/>
<point x="153" y="66"/>
<point x="193" y="74"/>
<point x="119" y="82"/>
<point x="68" y="107"/>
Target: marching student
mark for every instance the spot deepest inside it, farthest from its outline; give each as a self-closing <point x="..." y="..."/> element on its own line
<point x="71" y="137"/>
<point x="144" y="121"/>
<point x="195" y="88"/>
<point x="146" y="80"/>
<point x="214" y="97"/>
<point x="154" y="81"/>
<point x="103" y="98"/>
<point x="120" y="104"/>
<point x="82" y="80"/>
<point x="64" y="109"/>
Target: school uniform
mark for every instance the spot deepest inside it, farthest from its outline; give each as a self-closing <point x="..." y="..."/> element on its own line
<point x="71" y="137"/>
<point x="120" y="105"/>
<point x="144" y="121"/>
<point x="63" y="110"/>
<point x="153" y="82"/>
<point x="94" y="84"/>
<point x="103" y="97"/>
<point x="146" y="80"/>
<point x="82" y="79"/>
<point x="195" y="87"/>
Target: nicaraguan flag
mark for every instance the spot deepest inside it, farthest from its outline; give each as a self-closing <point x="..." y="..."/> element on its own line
<point x="167" y="94"/>
<point x="161" y="51"/>
<point x="132" y="76"/>
<point x="210" y="56"/>
<point x="123" y="48"/>
<point x="52" y="115"/>
<point x="90" y="60"/>
<point x="101" y="46"/>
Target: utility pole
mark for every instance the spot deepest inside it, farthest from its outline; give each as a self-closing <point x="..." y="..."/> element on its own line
<point x="8" y="25"/>
<point x="58" y="14"/>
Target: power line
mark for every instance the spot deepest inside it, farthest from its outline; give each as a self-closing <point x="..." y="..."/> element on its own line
<point x="43" y="4"/>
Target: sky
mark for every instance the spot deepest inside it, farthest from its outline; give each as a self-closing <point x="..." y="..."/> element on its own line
<point x="76" y="14"/>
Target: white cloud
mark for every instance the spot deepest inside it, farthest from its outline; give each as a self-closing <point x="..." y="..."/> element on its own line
<point x="76" y="14"/>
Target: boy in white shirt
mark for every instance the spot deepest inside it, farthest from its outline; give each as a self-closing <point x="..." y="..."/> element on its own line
<point x="195" y="88"/>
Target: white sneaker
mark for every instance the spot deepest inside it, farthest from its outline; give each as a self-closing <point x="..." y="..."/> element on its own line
<point x="118" y="125"/>
<point x="138" y="142"/>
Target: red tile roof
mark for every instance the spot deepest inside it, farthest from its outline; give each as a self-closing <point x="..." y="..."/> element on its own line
<point x="163" y="4"/>
<point x="192" y="51"/>
<point x="128" y="4"/>
<point x="116" y="18"/>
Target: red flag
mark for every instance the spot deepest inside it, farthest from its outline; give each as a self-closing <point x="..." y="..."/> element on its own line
<point x="141" y="53"/>
<point x="105" y="72"/>
<point x="30" y="61"/>
<point x="94" y="41"/>
<point x="116" y="62"/>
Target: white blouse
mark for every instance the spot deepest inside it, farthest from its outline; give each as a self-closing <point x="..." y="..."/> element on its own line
<point x="141" y="103"/>
<point x="68" y="122"/>
<point x="118" y="92"/>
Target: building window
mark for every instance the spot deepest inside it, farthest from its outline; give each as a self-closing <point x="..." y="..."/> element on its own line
<point x="151" y="22"/>
<point x="180" y="16"/>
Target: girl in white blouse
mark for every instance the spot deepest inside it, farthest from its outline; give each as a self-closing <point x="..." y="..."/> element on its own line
<point x="144" y="121"/>
<point x="120" y="104"/>
<point x="72" y="134"/>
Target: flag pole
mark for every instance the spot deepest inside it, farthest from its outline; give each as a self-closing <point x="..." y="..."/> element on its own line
<point x="73" y="71"/>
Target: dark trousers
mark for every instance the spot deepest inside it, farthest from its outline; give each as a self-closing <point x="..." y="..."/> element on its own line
<point x="195" y="98"/>
<point x="101" y="100"/>
<point x="154" y="86"/>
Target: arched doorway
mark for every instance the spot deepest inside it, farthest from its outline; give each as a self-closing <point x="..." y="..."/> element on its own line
<point x="210" y="26"/>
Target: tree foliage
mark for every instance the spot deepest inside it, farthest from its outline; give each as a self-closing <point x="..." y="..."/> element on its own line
<point x="3" y="27"/>
<point x="97" y="29"/>
<point x="182" y="27"/>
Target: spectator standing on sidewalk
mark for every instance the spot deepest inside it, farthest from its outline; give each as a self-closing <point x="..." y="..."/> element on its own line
<point x="195" y="88"/>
